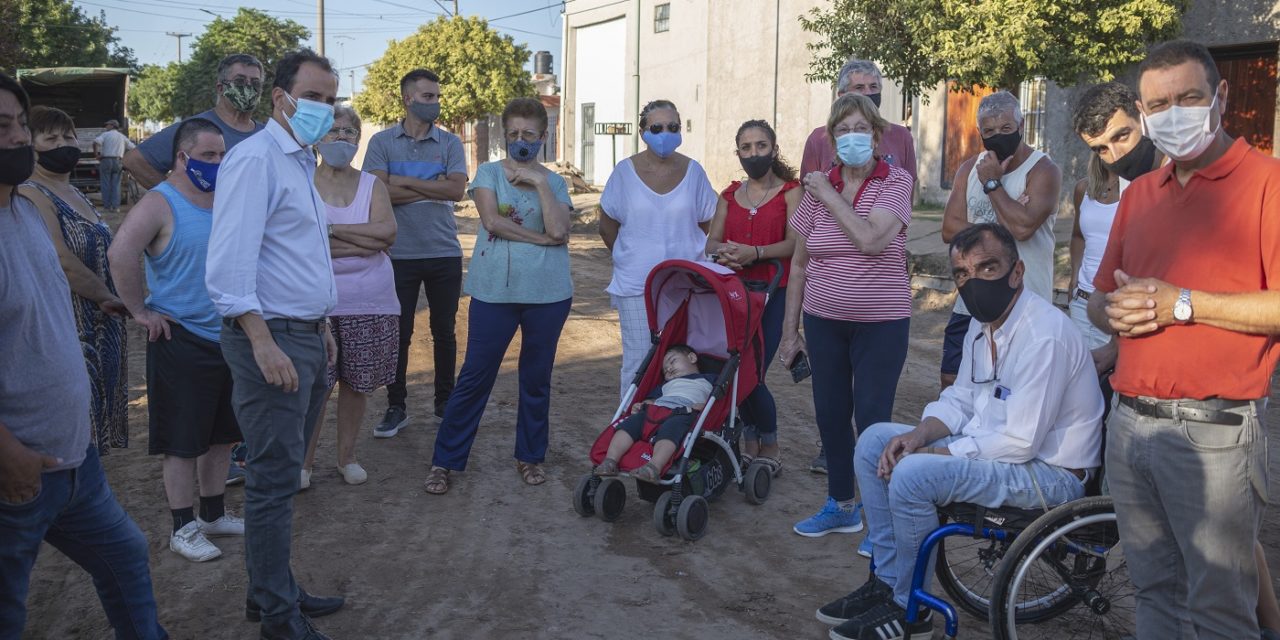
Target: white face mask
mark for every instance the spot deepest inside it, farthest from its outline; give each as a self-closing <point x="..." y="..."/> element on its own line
<point x="1182" y="133"/>
<point x="337" y="154"/>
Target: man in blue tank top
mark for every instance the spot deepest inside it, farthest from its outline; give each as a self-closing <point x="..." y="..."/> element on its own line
<point x="192" y="424"/>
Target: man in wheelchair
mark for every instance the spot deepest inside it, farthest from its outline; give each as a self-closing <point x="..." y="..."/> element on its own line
<point x="1020" y="428"/>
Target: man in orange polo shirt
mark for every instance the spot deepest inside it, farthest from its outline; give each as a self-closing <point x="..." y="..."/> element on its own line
<point x="1192" y="277"/>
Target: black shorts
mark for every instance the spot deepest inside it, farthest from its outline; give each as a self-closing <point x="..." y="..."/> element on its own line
<point x="674" y="428"/>
<point x="188" y="395"/>
<point x="953" y="343"/>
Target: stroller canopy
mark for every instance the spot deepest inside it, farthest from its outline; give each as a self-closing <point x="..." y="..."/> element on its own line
<point x="722" y="317"/>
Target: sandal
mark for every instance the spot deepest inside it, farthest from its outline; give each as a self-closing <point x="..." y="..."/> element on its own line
<point x="438" y="481"/>
<point x="607" y="468"/>
<point x="647" y="473"/>
<point x="531" y="473"/>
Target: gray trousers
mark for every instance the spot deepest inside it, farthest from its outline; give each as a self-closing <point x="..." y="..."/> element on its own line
<point x="1189" y="498"/>
<point x="276" y="426"/>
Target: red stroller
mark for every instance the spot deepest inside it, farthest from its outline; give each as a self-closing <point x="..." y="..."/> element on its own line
<point x="707" y="307"/>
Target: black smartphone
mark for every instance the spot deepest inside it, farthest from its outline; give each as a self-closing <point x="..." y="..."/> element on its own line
<point x="800" y="367"/>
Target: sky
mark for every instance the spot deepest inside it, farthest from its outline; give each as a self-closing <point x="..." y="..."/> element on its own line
<point x="356" y="31"/>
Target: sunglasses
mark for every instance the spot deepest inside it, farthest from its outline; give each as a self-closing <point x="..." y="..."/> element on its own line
<point x="673" y="127"/>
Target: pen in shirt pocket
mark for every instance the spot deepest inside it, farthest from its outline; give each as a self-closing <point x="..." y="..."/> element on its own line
<point x="1002" y="392"/>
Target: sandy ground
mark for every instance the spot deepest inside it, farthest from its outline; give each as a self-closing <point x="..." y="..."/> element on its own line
<point x="495" y="558"/>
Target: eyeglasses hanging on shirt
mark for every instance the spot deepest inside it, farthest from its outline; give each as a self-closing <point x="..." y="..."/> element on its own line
<point x="1001" y="392"/>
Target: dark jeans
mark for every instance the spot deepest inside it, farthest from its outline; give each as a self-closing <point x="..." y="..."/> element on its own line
<point x="759" y="409"/>
<point x="276" y="426"/>
<point x="864" y="356"/>
<point x="490" y="330"/>
<point x="77" y="514"/>
<point x="442" y="280"/>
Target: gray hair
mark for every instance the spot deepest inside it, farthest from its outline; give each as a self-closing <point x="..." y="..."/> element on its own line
<point x="345" y="111"/>
<point x="854" y="65"/>
<point x="224" y="66"/>
<point x="998" y="103"/>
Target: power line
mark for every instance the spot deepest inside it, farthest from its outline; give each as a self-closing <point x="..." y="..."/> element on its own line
<point x="522" y="13"/>
<point x="405" y="6"/>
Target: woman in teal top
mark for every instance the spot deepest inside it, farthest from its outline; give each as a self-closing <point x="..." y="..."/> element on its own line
<point x="518" y="278"/>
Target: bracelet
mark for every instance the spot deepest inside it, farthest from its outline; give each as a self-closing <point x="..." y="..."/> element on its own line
<point x="757" y="254"/>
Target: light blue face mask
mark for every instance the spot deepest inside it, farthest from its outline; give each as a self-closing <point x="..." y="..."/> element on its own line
<point x="663" y="144"/>
<point x="854" y="148"/>
<point x="310" y="121"/>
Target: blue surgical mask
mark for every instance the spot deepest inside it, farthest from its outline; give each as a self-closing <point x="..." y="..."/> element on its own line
<point x="310" y="121"/>
<point x="854" y="148"/>
<point x="522" y="151"/>
<point x="204" y="175"/>
<point x="663" y="144"/>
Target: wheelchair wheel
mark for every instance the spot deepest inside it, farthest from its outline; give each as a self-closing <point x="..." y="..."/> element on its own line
<point x="966" y="568"/>
<point x="1065" y="577"/>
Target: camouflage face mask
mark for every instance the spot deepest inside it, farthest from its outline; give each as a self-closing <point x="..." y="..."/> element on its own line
<point x="244" y="97"/>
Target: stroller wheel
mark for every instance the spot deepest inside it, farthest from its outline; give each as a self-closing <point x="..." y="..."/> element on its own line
<point x="756" y="482"/>
<point x="584" y="496"/>
<point x="610" y="498"/>
<point x="663" y="521"/>
<point x="691" y="519"/>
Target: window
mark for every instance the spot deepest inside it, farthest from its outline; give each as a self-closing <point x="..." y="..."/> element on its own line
<point x="662" y="17"/>
<point x="1031" y="95"/>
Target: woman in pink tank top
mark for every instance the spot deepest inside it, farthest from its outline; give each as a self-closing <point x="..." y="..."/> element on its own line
<point x="366" y="322"/>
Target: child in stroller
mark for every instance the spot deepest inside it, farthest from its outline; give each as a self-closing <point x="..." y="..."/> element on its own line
<point x="684" y="393"/>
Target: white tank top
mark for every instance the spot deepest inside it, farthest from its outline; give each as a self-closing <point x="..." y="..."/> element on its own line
<point x="1037" y="251"/>
<point x="1095" y="226"/>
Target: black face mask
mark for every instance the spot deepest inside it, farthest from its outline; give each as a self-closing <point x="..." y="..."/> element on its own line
<point x="756" y="166"/>
<point x="987" y="300"/>
<point x="1138" y="161"/>
<point x="1003" y="144"/>
<point x="16" y="164"/>
<point x="60" y="160"/>
<point x="875" y="99"/>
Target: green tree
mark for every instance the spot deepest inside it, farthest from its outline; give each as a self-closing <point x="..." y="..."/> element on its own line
<point x="480" y="71"/>
<point x="151" y="94"/>
<point x="57" y="33"/>
<point x="994" y="43"/>
<point x="249" y="31"/>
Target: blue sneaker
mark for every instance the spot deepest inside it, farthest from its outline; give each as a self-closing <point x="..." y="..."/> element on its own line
<point x="864" y="548"/>
<point x="832" y="519"/>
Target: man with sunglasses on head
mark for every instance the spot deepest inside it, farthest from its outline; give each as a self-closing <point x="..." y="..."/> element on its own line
<point x="237" y="89"/>
<point x="1021" y="427"/>
<point x="425" y="170"/>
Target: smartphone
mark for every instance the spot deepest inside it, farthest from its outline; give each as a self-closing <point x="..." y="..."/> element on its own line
<point x="799" y="367"/>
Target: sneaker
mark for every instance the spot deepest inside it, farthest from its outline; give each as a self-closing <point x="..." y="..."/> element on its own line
<point x="832" y="519"/>
<point x="353" y="473"/>
<point x="394" y="420"/>
<point x="1270" y="634"/>
<point x="874" y="592"/>
<point x="304" y="481"/>
<point x="885" y="621"/>
<point x="235" y="474"/>
<point x="864" y="547"/>
<point x="190" y="543"/>
<point x="819" y="462"/>
<point x="227" y="525"/>
<point x="440" y="409"/>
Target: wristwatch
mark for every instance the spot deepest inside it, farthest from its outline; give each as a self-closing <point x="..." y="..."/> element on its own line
<point x="330" y="231"/>
<point x="1182" y="308"/>
<point x="991" y="185"/>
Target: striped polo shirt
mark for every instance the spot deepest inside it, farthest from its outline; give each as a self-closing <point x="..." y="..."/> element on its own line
<point x="841" y="282"/>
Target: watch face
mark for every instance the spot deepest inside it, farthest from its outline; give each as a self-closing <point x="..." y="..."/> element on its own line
<point x="1181" y="311"/>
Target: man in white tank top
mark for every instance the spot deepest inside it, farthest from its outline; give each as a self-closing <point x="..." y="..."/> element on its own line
<point x="1009" y="184"/>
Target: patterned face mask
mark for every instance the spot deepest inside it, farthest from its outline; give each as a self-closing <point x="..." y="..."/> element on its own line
<point x="244" y="97"/>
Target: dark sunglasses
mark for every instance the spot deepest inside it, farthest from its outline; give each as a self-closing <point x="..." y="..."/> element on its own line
<point x="673" y="127"/>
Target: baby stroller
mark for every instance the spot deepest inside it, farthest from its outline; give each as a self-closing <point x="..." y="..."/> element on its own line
<point x="707" y="307"/>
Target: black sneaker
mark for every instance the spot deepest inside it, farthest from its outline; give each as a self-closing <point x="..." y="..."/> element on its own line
<point x="394" y="420"/>
<point x="874" y="592"/>
<point x="885" y="621"/>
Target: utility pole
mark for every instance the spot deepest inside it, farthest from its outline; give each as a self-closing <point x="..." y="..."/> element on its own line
<point x="320" y="25"/>
<point x="180" y="36"/>
<point x="353" y="83"/>
<point x="455" y="7"/>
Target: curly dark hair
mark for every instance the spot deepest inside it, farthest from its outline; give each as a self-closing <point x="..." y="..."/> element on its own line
<point x="780" y="166"/>
<point x="1101" y="101"/>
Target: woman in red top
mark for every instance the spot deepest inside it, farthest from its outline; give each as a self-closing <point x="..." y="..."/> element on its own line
<point x="749" y="229"/>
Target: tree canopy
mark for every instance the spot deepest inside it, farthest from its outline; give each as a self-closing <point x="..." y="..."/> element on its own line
<point x="480" y="71"/>
<point x="57" y="33"/>
<point x="994" y="43"/>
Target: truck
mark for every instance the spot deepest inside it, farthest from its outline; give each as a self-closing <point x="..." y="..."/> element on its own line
<point x="91" y="96"/>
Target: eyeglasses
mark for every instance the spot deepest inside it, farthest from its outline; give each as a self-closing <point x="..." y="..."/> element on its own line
<point x="861" y="128"/>
<point x="973" y="363"/>
<point x="528" y="135"/>
<point x="656" y="128"/>
<point x="345" y="132"/>
<point x="242" y="82"/>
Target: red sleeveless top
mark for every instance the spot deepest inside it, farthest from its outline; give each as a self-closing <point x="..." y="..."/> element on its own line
<point x="766" y="226"/>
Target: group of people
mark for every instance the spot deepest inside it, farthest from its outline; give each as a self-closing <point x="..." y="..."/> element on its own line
<point x="265" y="276"/>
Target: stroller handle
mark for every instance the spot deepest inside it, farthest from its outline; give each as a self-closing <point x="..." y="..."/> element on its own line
<point x="771" y="286"/>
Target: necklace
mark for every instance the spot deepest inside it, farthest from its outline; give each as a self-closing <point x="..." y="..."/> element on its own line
<point x="755" y="206"/>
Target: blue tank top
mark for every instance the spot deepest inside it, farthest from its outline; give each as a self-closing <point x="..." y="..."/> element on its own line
<point x="176" y="276"/>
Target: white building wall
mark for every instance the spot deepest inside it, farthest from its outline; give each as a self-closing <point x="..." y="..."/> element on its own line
<point x="599" y="71"/>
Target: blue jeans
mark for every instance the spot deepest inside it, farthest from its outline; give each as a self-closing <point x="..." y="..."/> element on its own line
<point x="490" y="330"/>
<point x="866" y="357"/>
<point x="109" y="181"/>
<point x="77" y="514"/>
<point x="902" y="511"/>
<point x="759" y="408"/>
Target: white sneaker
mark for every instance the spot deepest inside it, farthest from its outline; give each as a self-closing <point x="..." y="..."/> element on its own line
<point x="227" y="525"/>
<point x="353" y="473"/>
<point x="306" y="480"/>
<point x="190" y="543"/>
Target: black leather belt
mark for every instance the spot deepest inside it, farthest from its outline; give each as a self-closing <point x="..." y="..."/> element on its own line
<point x="1082" y="294"/>
<point x="1214" y="411"/>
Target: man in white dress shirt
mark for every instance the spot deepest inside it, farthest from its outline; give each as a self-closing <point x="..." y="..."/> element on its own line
<point x="270" y="277"/>
<point x="1022" y="424"/>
